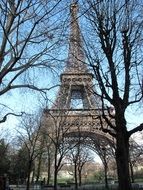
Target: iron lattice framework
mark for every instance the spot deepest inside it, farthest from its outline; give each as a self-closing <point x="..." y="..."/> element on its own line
<point x="76" y="109"/>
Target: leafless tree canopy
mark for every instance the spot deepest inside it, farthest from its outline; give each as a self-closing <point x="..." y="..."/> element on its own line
<point x="30" y="32"/>
<point x="114" y="50"/>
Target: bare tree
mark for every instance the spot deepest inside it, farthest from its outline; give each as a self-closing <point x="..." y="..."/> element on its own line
<point x="84" y="157"/>
<point x="30" y="138"/>
<point x="114" y="52"/>
<point x="4" y="160"/>
<point x="54" y="127"/>
<point x="28" y="36"/>
<point x="79" y="156"/>
<point x="135" y="156"/>
<point x="44" y="162"/>
<point x="105" y="149"/>
<point x="50" y="156"/>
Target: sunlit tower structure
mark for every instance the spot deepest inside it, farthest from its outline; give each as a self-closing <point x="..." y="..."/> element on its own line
<point x="76" y="101"/>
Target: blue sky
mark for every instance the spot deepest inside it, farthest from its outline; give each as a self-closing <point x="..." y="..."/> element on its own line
<point x="19" y="100"/>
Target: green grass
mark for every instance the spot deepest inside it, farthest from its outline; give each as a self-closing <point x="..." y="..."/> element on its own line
<point x="139" y="180"/>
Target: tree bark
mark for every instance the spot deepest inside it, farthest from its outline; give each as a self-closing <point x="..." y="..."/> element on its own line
<point x="122" y="159"/>
<point x="55" y="171"/>
<point x="79" y="177"/>
<point x="55" y="179"/>
<point x="49" y="170"/>
<point x="105" y="175"/>
<point x="75" y="176"/>
<point x="132" y="172"/>
<point x="39" y="167"/>
<point x="28" y="176"/>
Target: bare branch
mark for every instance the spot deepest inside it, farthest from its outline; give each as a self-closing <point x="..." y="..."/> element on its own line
<point x="136" y="129"/>
<point x="32" y="87"/>
<point x="14" y="114"/>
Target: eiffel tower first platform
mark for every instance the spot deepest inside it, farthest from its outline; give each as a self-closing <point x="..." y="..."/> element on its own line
<point x="76" y="109"/>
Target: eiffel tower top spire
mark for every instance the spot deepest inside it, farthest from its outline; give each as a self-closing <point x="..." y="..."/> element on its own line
<point x="76" y="58"/>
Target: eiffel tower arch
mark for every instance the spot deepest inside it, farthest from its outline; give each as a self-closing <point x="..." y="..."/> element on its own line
<point x="77" y="109"/>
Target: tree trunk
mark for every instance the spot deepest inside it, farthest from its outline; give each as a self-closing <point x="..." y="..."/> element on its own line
<point x="39" y="167"/>
<point x="132" y="172"/>
<point x="79" y="174"/>
<point x="28" y="176"/>
<point x="55" y="179"/>
<point x="49" y="170"/>
<point x="105" y="175"/>
<point x="75" y="176"/>
<point x="55" y="171"/>
<point x="122" y="159"/>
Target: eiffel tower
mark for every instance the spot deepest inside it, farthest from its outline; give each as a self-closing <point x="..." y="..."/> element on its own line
<point x="76" y="101"/>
